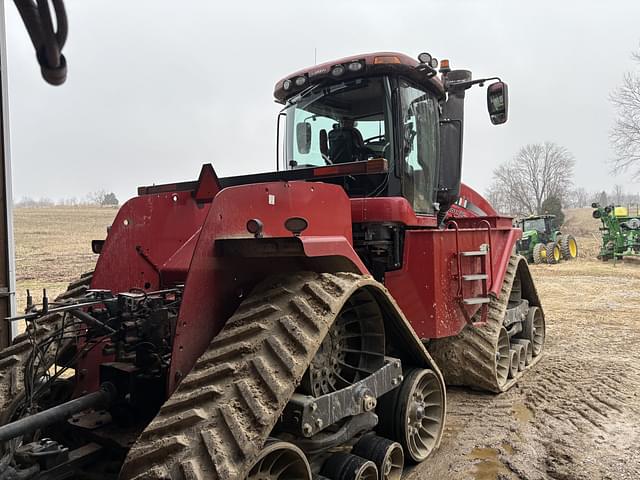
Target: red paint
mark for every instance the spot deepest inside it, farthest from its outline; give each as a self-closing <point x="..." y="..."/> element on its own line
<point x="216" y="283"/>
<point x="196" y="234"/>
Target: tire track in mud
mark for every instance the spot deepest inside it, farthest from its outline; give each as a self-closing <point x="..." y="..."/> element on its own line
<point x="576" y="415"/>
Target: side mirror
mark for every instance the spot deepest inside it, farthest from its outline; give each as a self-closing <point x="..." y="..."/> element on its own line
<point x="498" y="102"/>
<point x="303" y="137"/>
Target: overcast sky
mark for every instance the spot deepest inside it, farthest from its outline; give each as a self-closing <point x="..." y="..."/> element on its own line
<point x="156" y="88"/>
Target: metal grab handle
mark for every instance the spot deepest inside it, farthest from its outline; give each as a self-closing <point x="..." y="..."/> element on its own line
<point x="458" y="260"/>
<point x="489" y="230"/>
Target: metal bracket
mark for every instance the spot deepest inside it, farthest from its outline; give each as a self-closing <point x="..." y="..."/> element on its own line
<point x="516" y="314"/>
<point x="305" y="415"/>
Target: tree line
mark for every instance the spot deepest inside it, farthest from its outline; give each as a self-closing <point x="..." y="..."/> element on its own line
<point x="100" y="198"/>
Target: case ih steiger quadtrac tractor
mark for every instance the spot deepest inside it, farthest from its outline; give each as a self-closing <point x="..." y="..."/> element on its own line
<point x="289" y="325"/>
<point x="542" y="243"/>
<point x="620" y="231"/>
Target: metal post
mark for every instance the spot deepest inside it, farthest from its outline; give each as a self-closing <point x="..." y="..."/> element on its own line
<point x="7" y="258"/>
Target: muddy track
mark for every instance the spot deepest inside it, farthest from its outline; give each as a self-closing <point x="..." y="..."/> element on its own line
<point x="13" y="358"/>
<point x="469" y="358"/>
<point x="215" y="423"/>
<point x="576" y="415"/>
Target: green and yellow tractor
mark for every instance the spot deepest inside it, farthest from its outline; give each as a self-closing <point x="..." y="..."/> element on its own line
<point x="542" y="243"/>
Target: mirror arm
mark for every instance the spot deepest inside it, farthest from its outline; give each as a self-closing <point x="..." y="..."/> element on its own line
<point x="464" y="85"/>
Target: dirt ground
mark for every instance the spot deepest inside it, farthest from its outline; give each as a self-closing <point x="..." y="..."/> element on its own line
<point x="575" y="416"/>
<point x="53" y="247"/>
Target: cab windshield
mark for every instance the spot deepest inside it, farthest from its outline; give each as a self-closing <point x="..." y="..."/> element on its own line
<point x="534" y="224"/>
<point x="347" y="122"/>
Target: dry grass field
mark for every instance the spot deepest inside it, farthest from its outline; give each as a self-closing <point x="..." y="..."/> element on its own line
<point x="53" y="246"/>
<point x="576" y="416"/>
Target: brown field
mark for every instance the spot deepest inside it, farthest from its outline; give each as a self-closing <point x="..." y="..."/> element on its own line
<point x="576" y="416"/>
<point x="53" y="246"/>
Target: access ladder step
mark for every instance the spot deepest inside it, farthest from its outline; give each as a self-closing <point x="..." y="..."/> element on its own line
<point x="477" y="253"/>
<point x="476" y="300"/>
<point x="475" y="276"/>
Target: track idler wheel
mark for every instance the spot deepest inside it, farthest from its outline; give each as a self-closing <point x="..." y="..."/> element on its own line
<point x="503" y="357"/>
<point x="528" y="351"/>
<point x="413" y="414"/>
<point x="386" y="454"/>
<point x="533" y="329"/>
<point x="345" y="466"/>
<point x="514" y="360"/>
<point x="522" y="356"/>
<point x="280" y="461"/>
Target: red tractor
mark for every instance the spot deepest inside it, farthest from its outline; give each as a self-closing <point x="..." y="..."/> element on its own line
<point x="297" y="324"/>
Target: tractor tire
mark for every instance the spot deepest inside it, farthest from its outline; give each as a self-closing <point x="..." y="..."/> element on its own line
<point x="479" y="357"/>
<point x="539" y="253"/>
<point x="568" y="247"/>
<point x="553" y="253"/>
<point x="14" y="357"/>
<point x="217" y="421"/>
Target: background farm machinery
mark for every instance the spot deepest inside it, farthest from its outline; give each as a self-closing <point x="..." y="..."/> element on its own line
<point x="620" y="231"/>
<point x="542" y="242"/>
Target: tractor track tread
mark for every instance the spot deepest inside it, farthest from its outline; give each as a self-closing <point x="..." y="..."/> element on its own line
<point x="13" y="357"/>
<point x="468" y="359"/>
<point x="260" y="374"/>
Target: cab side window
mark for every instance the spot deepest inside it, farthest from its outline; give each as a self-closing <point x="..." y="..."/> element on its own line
<point x="420" y="144"/>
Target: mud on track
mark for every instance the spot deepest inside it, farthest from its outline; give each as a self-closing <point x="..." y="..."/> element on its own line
<point x="577" y="414"/>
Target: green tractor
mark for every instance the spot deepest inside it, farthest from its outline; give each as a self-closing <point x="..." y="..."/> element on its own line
<point x="620" y="231"/>
<point x="542" y="243"/>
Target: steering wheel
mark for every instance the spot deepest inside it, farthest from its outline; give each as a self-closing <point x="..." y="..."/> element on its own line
<point x="376" y="137"/>
<point x="327" y="160"/>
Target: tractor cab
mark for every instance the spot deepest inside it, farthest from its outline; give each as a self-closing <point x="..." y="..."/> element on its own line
<point x="543" y="225"/>
<point x="389" y="111"/>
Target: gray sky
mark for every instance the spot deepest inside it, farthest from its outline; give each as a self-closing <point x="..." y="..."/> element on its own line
<point x="157" y="87"/>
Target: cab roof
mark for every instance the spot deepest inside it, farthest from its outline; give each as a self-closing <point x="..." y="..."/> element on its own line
<point x="372" y="64"/>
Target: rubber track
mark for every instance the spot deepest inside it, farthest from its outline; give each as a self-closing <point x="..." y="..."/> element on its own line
<point x="217" y="420"/>
<point x="468" y="359"/>
<point x="12" y="358"/>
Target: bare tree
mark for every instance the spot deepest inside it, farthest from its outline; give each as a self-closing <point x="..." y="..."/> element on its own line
<point x="579" y="198"/>
<point x="625" y="134"/>
<point x="537" y="172"/>
<point x="617" y="195"/>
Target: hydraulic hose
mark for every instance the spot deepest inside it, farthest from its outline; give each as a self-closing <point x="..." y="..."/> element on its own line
<point x="47" y="42"/>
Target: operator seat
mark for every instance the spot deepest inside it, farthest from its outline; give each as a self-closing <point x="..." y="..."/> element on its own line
<point x="345" y="144"/>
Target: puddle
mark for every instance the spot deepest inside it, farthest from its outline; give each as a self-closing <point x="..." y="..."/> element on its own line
<point x="489" y="466"/>
<point x="522" y="413"/>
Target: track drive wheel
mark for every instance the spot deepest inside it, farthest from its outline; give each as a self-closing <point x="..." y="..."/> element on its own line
<point x="568" y="247"/>
<point x="418" y="413"/>
<point x="533" y="329"/>
<point x="539" y="253"/>
<point x="553" y="253"/>
<point x="280" y="461"/>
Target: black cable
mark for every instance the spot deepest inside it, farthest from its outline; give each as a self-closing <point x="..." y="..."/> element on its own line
<point x="46" y="41"/>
